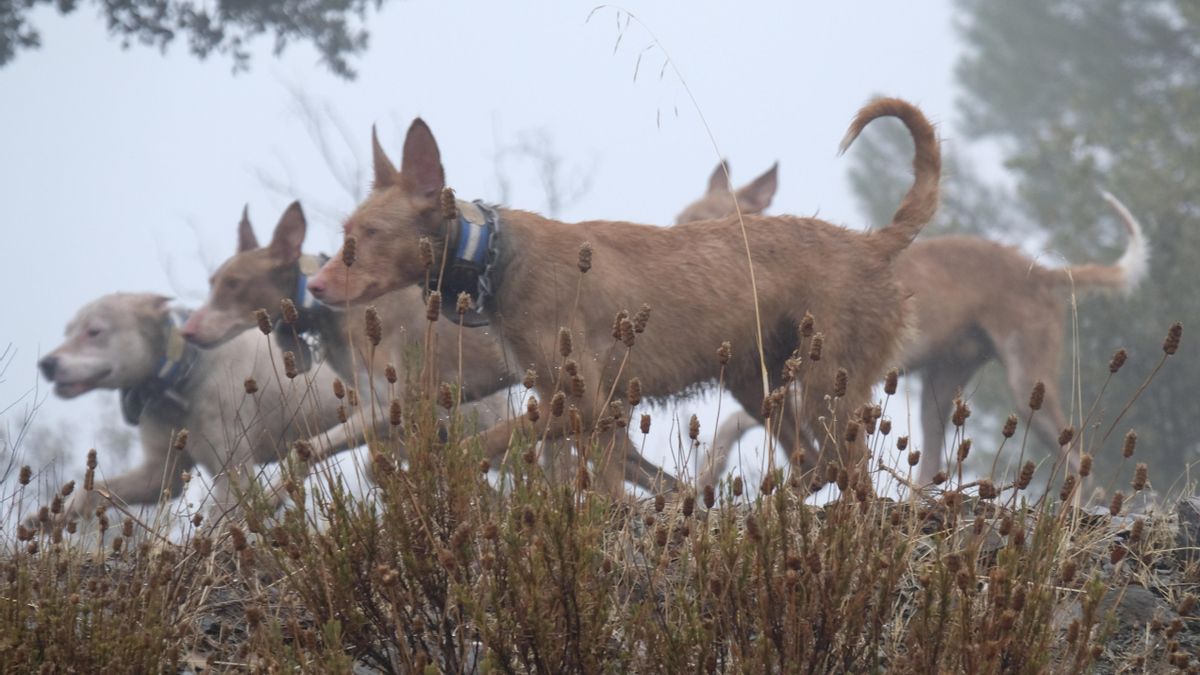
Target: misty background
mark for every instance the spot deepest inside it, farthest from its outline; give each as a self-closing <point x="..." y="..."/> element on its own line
<point x="127" y="169"/>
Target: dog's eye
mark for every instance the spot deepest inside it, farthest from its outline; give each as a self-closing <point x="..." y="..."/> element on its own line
<point x="93" y="332"/>
<point x="369" y="232"/>
<point x="230" y="284"/>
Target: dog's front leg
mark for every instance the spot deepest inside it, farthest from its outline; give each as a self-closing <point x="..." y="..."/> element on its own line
<point x="158" y="476"/>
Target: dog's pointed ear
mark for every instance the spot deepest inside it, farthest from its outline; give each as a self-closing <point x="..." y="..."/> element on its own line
<point x="718" y="182"/>
<point x="153" y="303"/>
<point x="421" y="166"/>
<point x="246" y="239"/>
<point x="757" y="196"/>
<point x="385" y="171"/>
<point x="289" y="234"/>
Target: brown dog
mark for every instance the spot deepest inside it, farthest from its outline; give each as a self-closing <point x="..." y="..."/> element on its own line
<point x="696" y="277"/>
<point x="261" y="277"/>
<point x="975" y="301"/>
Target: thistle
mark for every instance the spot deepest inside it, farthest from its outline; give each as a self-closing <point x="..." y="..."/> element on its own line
<point x="264" y="321"/>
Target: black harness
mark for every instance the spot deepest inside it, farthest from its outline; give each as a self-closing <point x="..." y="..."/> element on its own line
<point x="170" y="376"/>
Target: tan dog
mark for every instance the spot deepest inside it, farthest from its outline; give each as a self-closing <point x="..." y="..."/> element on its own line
<point x="695" y="277"/>
<point x="261" y="277"/>
<point x="129" y="342"/>
<point x="975" y="301"/>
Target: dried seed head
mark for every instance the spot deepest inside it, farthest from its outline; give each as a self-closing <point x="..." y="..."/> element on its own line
<point x="724" y="352"/>
<point x="1085" y="465"/>
<point x="530" y="379"/>
<point x="689" y="505"/>
<point x="433" y="306"/>
<point x="127" y="528"/>
<point x="181" y="439"/>
<point x="339" y="389"/>
<point x="251" y="385"/>
<point x="1187" y="605"/>
<point x="67" y="488"/>
<point x="1037" y="396"/>
<point x="645" y="423"/>
<point x="641" y="319"/>
<point x="303" y="450"/>
<point x="621" y="316"/>
<point x="583" y="479"/>
<point x="449" y="207"/>
<point x="389" y="372"/>
<point x="395" y="413"/>
<point x="752" y="529"/>
<point x="939" y="478"/>
<point x="425" y="248"/>
<point x="839" y="383"/>
<point x="885" y="426"/>
<point x="902" y="443"/>
<point x="570" y="367"/>
<point x="1137" y="530"/>
<point x="374" y="325"/>
<point x="694" y="428"/>
<point x="1118" y="360"/>
<point x="1026" y="475"/>
<point x="1116" y="555"/>
<point x="531" y="409"/>
<point x="529" y="456"/>
<point x="1066" y="435"/>
<point x="91" y="459"/>
<point x="914" y="458"/>
<point x="964" y="449"/>
<point x="1067" y="574"/>
<point x="1140" y="474"/>
<point x="890" y="381"/>
<point x="289" y="365"/>
<point x="445" y="396"/>
<point x="585" y="257"/>
<point x="710" y="496"/>
<point x="852" y="428"/>
<point x="767" y="486"/>
<point x="1130" y="444"/>
<point x="627" y="333"/>
<point x="634" y="395"/>
<point x="738" y="486"/>
<point x="1068" y="488"/>
<point x="987" y="489"/>
<point x="578" y="387"/>
<point x="574" y="421"/>
<point x="564" y="342"/>
<point x="1118" y="500"/>
<point x="1174" y="334"/>
<point x="352" y="396"/>
<point x="660" y="502"/>
<point x="264" y="321"/>
<point x="288" y="310"/>
<point x="26" y="474"/>
<point x="961" y="412"/>
<point x="349" y="250"/>
<point x="814" y="350"/>
<point x="806" y="325"/>
<point x="341" y="414"/>
<point x="56" y="504"/>
<point x="558" y="404"/>
<point x="1010" y="426"/>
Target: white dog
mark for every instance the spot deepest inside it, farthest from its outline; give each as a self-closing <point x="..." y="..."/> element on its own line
<point x="131" y="342"/>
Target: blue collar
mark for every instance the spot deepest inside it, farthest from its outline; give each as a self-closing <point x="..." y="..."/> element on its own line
<point x="473" y="239"/>
<point x="179" y="356"/>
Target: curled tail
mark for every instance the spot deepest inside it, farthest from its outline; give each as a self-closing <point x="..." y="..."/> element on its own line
<point x="921" y="201"/>
<point x="1123" y="275"/>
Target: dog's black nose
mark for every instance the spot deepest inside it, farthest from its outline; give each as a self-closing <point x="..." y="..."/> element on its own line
<point x="48" y="365"/>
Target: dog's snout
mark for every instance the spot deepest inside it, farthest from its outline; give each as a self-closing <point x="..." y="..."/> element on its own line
<point x="48" y="366"/>
<point x="316" y="286"/>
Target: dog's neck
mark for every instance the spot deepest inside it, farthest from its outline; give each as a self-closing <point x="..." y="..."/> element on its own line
<point x="471" y="246"/>
<point x="168" y="382"/>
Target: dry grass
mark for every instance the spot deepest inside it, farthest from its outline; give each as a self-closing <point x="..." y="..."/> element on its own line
<point x="443" y="569"/>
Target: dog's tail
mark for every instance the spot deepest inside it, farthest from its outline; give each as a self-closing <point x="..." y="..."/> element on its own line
<point x="1123" y="275"/>
<point x="921" y="201"/>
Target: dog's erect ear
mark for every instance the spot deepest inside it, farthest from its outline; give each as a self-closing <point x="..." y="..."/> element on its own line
<point x="385" y="171"/>
<point x="246" y="239"/>
<point x="757" y="196"/>
<point x="289" y="234"/>
<point x="718" y="182"/>
<point x="421" y="166"/>
<point x="152" y="303"/>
